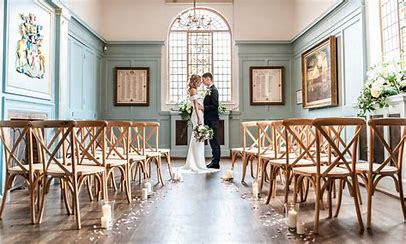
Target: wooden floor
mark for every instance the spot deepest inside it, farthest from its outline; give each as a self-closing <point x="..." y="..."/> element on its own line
<point x="202" y="209"/>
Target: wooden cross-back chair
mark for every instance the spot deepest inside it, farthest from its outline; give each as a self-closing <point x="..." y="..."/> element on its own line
<point x="298" y="139"/>
<point x="137" y="150"/>
<point x="117" y="153"/>
<point x="90" y="139"/>
<point x="391" y="165"/>
<point x="250" y="146"/>
<point x="16" y="136"/>
<point x="249" y="142"/>
<point x="341" y="168"/>
<point x="61" y="158"/>
<point x="152" y="150"/>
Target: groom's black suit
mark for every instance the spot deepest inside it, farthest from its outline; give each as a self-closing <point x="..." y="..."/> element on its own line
<point x="211" y="119"/>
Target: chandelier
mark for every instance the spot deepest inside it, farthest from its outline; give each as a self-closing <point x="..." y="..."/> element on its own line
<point x="193" y="20"/>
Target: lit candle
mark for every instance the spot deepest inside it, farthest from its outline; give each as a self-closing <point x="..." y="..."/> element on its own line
<point x="255" y="191"/>
<point x="106" y="209"/>
<point x="148" y="186"/>
<point x="292" y="216"/>
<point x="300" y="228"/>
<point x="104" y="222"/>
<point x="144" y="194"/>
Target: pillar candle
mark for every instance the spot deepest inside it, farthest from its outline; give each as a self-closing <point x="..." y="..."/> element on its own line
<point x="148" y="186"/>
<point x="106" y="209"/>
<point x="292" y="215"/>
<point x="104" y="222"/>
<point x="144" y="194"/>
<point x="300" y="228"/>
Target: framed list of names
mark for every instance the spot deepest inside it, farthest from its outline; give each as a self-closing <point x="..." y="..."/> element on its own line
<point x="266" y="86"/>
<point x="132" y="86"/>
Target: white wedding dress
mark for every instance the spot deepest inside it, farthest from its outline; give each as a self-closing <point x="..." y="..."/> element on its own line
<point x="195" y="161"/>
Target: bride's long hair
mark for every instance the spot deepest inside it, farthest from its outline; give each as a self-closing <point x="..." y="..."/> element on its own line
<point x="194" y="82"/>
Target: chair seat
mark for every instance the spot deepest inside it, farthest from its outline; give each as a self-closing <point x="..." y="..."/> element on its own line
<point x="136" y="157"/>
<point x="17" y="169"/>
<point x="311" y="171"/>
<point x="151" y="154"/>
<point x="55" y="170"/>
<point x="252" y="150"/>
<point x="300" y="163"/>
<point x="161" y="150"/>
<point x="112" y="162"/>
<point x="364" y="168"/>
<point x="237" y="149"/>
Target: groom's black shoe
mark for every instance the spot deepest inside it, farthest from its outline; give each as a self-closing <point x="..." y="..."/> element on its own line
<point x="213" y="165"/>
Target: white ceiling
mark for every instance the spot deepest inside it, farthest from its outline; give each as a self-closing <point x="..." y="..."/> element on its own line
<point x="149" y="20"/>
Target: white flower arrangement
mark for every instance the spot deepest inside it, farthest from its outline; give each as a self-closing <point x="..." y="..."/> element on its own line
<point x="202" y="133"/>
<point x="384" y="80"/>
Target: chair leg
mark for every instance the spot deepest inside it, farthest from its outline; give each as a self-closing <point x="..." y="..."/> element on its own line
<point x="329" y="197"/>
<point x="104" y="186"/>
<point x="159" y="171"/>
<point x="168" y="161"/>
<point x="233" y="159"/>
<point x="76" y="202"/>
<point x="127" y="183"/>
<point x="287" y="180"/>
<point x="244" y="169"/>
<point x="89" y="188"/>
<point x="357" y="206"/>
<point x="295" y="188"/>
<point x="340" y="197"/>
<point x="317" y="207"/>
<point x="270" y="184"/>
<point x="370" y="186"/>
<point x="402" y="199"/>
<point x="5" y="193"/>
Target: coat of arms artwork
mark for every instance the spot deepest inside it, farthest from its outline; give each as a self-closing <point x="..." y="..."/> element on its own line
<point x="30" y="54"/>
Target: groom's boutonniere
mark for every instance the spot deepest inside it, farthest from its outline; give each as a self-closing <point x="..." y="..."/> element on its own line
<point x="207" y="92"/>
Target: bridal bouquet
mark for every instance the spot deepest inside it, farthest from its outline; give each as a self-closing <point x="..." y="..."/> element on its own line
<point x="202" y="133"/>
<point x="185" y="109"/>
<point x="384" y="80"/>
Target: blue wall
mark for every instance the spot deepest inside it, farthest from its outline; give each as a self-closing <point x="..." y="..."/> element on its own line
<point x="81" y="96"/>
<point x="135" y="55"/>
<point x="347" y="23"/>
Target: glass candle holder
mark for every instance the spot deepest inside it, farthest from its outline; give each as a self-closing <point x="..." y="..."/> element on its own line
<point x="108" y="214"/>
<point x="291" y="215"/>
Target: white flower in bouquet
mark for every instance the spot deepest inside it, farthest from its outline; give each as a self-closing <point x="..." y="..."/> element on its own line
<point x="202" y="133"/>
<point x="376" y="90"/>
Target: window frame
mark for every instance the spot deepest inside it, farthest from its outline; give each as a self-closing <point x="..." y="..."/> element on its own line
<point x="401" y="48"/>
<point x="168" y="81"/>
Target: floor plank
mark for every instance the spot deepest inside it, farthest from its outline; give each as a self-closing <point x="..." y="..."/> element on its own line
<point x="201" y="209"/>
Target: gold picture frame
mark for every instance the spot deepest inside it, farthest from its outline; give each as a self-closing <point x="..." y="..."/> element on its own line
<point x="131" y="86"/>
<point x="319" y="75"/>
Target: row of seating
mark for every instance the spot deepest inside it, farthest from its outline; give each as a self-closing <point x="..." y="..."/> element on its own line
<point x="79" y="153"/>
<point x="318" y="153"/>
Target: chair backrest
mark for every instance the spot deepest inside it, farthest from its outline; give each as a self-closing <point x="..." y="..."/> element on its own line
<point x="300" y="140"/>
<point x="250" y="139"/>
<point x="55" y="139"/>
<point x="137" y="136"/>
<point x="117" y="139"/>
<point x="151" y="136"/>
<point x="266" y="144"/>
<point x="279" y="138"/>
<point x="90" y="139"/>
<point x="394" y="151"/>
<point x="15" y="137"/>
<point x="332" y="129"/>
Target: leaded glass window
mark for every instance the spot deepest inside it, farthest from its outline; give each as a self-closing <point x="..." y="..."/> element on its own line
<point x="194" y="50"/>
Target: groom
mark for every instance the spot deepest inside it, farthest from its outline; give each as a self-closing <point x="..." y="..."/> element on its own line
<point x="211" y="117"/>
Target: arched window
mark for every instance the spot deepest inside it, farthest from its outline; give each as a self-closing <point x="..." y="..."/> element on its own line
<point x="195" y="49"/>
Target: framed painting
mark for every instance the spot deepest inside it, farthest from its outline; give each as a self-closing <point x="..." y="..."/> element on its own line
<point x="30" y="49"/>
<point x="267" y="85"/>
<point x="319" y="75"/>
<point x="132" y="86"/>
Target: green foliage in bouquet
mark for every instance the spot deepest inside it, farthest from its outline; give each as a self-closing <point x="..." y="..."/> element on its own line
<point x="202" y="133"/>
<point x="185" y="109"/>
<point x="384" y="80"/>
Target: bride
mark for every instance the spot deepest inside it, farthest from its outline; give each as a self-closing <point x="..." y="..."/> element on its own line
<point x="195" y="161"/>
